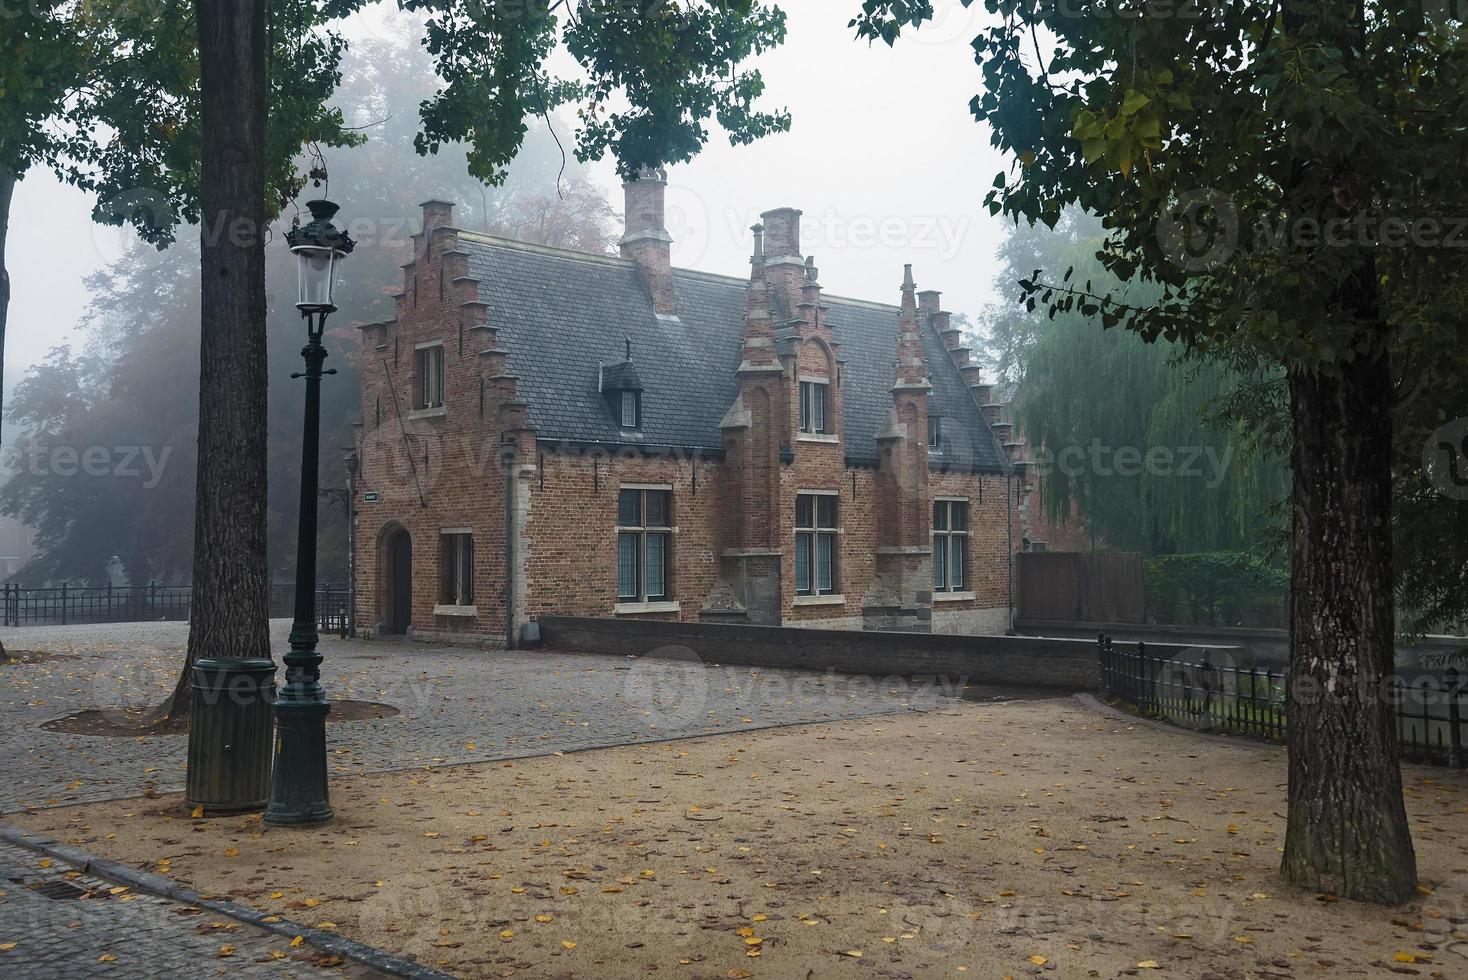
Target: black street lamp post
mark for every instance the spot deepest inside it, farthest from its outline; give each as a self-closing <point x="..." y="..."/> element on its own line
<point x="298" y="790"/>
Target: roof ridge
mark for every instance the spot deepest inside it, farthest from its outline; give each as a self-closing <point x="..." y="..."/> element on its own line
<point x="616" y="261"/>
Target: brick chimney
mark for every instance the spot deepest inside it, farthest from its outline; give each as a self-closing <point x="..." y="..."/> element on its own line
<point x="436" y="213"/>
<point x="785" y="267"/>
<point x="645" y="237"/>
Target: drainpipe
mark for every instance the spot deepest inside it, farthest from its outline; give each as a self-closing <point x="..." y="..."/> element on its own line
<point x="1009" y="550"/>
<point x="350" y="458"/>
<point x="507" y="467"/>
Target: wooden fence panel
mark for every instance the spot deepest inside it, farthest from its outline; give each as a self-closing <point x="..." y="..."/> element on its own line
<point x="1080" y="587"/>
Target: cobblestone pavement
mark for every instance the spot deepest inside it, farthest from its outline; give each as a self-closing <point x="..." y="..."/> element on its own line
<point x="58" y="924"/>
<point x="457" y="705"/>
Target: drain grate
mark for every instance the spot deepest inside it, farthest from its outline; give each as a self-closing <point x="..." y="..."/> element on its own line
<point x="57" y="889"/>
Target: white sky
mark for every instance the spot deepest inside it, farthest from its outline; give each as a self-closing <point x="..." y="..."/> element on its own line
<point x="883" y="157"/>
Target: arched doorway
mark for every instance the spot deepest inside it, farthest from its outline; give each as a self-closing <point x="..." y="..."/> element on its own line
<point x="397" y="605"/>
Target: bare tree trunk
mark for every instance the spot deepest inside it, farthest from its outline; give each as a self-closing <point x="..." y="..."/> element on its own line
<point x="7" y="194"/>
<point x="228" y="612"/>
<point x="1347" y="831"/>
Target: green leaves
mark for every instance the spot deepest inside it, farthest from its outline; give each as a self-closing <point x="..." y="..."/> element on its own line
<point x="653" y="75"/>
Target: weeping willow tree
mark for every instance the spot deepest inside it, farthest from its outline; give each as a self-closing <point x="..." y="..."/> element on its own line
<point x="1129" y="435"/>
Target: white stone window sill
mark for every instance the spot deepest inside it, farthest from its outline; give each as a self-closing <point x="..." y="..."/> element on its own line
<point x="465" y="611"/>
<point x="830" y="437"/>
<point x="437" y="411"/>
<point x="953" y="596"/>
<point x="634" y="608"/>
<point x="820" y="600"/>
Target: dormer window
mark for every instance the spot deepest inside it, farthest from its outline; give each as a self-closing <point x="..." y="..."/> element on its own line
<point x="935" y="433"/>
<point x="622" y="388"/>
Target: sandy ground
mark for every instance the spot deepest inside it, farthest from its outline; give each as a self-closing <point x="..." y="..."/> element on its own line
<point x="981" y="840"/>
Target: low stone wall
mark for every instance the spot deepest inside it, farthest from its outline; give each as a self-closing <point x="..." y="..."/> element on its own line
<point x="1063" y="664"/>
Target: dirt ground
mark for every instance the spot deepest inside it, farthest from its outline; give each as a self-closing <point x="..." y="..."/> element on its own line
<point x="981" y="840"/>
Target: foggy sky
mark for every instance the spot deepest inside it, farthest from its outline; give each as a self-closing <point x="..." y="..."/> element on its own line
<point x="883" y="157"/>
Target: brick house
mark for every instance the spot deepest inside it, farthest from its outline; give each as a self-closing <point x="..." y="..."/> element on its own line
<point x="547" y="432"/>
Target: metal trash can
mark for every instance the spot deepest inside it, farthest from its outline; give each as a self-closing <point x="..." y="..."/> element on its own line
<point x="231" y="729"/>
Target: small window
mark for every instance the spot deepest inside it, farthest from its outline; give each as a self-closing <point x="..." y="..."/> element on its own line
<point x="429" y="393"/>
<point x="631" y="410"/>
<point x="643" y="544"/>
<point x="935" y="432"/>
<point x="813" y="407"/>
<point x="815" y="544"/>
<point x="456" y="569"/>
<point x="950" y="545"/>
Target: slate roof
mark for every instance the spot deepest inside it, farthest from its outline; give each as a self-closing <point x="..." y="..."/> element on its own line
<point x="562" y="315"/>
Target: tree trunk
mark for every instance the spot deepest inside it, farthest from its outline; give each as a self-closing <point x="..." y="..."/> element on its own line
<point x="1347" y="831"/>
<point x="228" y="614"/>
<point x="7" y="194"/>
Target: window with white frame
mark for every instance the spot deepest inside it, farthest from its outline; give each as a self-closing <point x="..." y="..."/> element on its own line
<point x="813" y="404"/>
<point x="950" y="545"/>
<point x="644" y="536"/>
<point x="429" y="390"/>
<point x="631" y="410"/>
<point x="815" y="544"/>
<point x="935" y="433"/>
<point x="456" y="568"/>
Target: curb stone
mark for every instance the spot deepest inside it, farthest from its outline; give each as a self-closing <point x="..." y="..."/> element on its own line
<point x="146" y="881"/>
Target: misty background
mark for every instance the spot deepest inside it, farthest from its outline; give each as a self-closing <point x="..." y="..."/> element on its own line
<point x="103" y="340"/>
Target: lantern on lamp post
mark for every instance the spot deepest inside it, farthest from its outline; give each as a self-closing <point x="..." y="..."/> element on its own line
<point x="298" y="790"/>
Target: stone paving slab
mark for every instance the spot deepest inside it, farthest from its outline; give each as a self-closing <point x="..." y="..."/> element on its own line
<point x="457" y="705"/>
<point x="65" y="924"/>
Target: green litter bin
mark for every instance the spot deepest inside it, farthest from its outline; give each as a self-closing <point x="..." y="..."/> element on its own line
<point x="231" y="728"/>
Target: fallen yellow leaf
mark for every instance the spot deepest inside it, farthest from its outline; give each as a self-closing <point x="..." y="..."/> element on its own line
<point x="106" y="958"/>
<point x="299" y="940"/>
<point x="1039" y="960"/>
<point x="225" y="951"/>
<point x="1148" y="965"/>
<point x="544" y="918"/>
<point x="197" y="811"/>
<point x="568" y="943"/>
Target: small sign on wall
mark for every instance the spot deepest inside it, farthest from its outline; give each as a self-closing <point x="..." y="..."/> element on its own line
<point x="370" y="496"/>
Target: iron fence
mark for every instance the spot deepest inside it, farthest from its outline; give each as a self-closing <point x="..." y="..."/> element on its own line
<point x="69" y="604"/>
<point x="1251" y="700"/>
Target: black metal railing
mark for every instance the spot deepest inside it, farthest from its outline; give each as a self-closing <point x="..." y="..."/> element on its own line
<point x="71" y="604"/>
<point x="1250" y="700"/>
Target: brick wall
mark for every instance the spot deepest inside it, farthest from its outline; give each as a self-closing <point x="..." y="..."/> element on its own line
<point x="572" y="560"/>
<point x="432" y="469"/>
